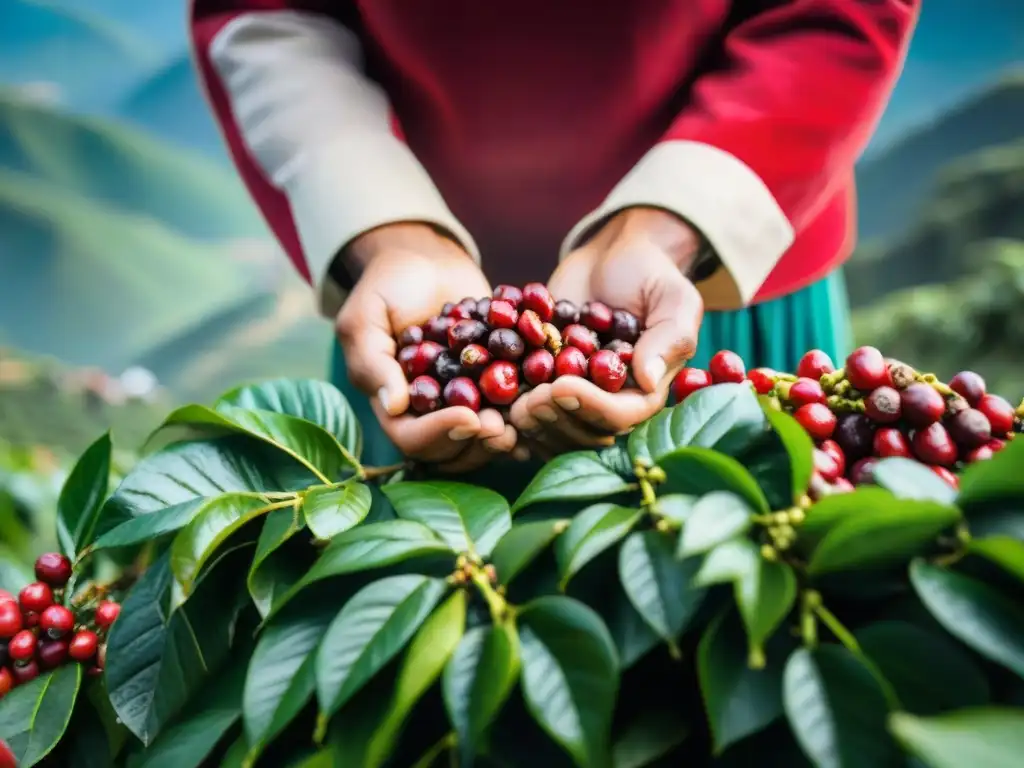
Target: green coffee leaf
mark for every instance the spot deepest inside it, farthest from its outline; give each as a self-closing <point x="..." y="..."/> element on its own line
<point x="34" y="716"/>
<point x="1003" y="551"/>
<point x="909" y="479"/>
<point x="699" y="471"/>
<point x="632" y="635"/>
<point x="271" y="575"/>
<point x="1002" y="518"/>
<point x="726" y="417"/>
<point x="333" y="510"/>
<point x="522" y="545"/>
<point x="677" y="507"/>
<point x="570" y="675"/>
<point x="317" y="401"/>
<point x="477" y="681"/>
<point x="716" y="518"/>
<point x="371" y="629"/>
<point x="572" y="477"/>
<point x="617" y="459"/>
<point x="739" y="701"/>
<point x="467" y="518"/>
<point x="591" y="532"/>
<point x="973" y="612"/>
<point x="649" y="736"/>
<point x="765" y="591"/>
<point x="193" y="547"/>
<point x="992" y="737"/>
<point x="998" y="478"/>
<point x="837" y="709"/>
<point x="82" y="497"/>
<point x="883" y="537"/>
<point x="660" y="587"/>
<point x="139" y="530"/>
<point x="832" y="511"/>
<point x="907" y="656"/>
<point x="281" y="677"/>
<point x="799" y="452"/>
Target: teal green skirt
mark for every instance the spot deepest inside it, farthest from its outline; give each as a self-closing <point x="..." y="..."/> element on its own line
<point x="774" y="334"/>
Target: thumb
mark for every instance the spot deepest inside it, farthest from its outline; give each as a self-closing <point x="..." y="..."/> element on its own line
<point x="675" y="310"/>
<point x="372" y="368"/>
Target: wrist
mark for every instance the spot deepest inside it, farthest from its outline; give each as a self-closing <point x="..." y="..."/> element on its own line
<point x="668" y="232"/>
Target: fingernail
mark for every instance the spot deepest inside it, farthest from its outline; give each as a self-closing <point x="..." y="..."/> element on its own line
<point x="545" y="414"/>
<point x="461" y="433"/>
<point x="528" y="426"/>
<point x="568" y="403"/>
<point x="382" y="395"/>
<point x="521" y="454"/>
<point x="655" y="370"/>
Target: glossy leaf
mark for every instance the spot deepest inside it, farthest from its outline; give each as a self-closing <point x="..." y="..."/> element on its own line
<point x="157" y="660"/>
<point x="616" y="457"/>
<point x="716" y="518"/>
<point x="271" y="576"/>
<point x="832" y="511"/>
<point x="799" y="450"/>
<point x="522" y="545"/>
<point x="280" y="679"/>
<point x="478" y="680"/>
<point x="726" y="417"/>
<point x="765" y="591"/>
<point x="467" y="518"/>
<point x="572" y="477"/>
<point x="909" y="479"/>
<point x="632" y="635"/>
<point x="660" y="587"/>
<point x="989" y="737"/>
<point x="333" y="510"/>
<point x="739" y="701"/>
<point x="648" y="737"/>
<point x="1005" y="552"/>
<point x="837" y="709"/>
<point x="34" y="716"/>
<point x="369" y="631"/>
<point x="591" y="532"/>
<point x="907" y="656"/>
<point x="998" y="478"/>
<point x="875" y="539"/>
<point x="139" y="530"/>
<point x="313" y="400"/>
<point x="569" y="675"/>
<point x="82" y="497"/>
<point x="677" y="507"/>
<point x="699" y="471"/>
<point x="975" y="613"/>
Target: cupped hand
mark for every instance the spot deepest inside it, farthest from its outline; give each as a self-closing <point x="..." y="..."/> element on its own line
<point x="635" y="262"/>
<point x="410" y="273"/>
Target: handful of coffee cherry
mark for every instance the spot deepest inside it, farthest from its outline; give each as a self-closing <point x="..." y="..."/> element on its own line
<point x="487" y="352"/>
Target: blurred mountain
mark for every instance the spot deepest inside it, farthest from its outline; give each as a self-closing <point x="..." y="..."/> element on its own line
<point x="892" y="185"/>
<point x="74" y="57"/>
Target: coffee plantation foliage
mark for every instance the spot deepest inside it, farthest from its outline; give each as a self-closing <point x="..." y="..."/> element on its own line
<point x="284" y="605"/>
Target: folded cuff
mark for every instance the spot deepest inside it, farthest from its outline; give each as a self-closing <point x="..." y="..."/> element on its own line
<point x="720" y="196"/>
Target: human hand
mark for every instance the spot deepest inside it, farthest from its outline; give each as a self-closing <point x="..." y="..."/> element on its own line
<point x="635" y="262"/>
<point x="410" y="272"/>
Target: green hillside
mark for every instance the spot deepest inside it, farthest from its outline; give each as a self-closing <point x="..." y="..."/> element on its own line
<point x="124" y="168"/>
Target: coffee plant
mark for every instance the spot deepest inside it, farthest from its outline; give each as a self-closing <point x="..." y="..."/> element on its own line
<point x="674" y="599"/>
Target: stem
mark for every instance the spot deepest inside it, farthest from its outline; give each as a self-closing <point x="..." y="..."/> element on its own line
<point x="371" y="473"/>
<point x="836" y="628"/>
<point x="495" y="602"/>
<point x="808" y="623"/>
<point x="647" y="496"/>
<point x="447" y="741"/>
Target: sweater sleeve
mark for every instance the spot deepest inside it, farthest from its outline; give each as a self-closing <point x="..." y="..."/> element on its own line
<point x="310" y="133"/>
<point x="767" y="135"/>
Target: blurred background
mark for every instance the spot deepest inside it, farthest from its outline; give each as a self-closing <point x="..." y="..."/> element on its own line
<point x="135" y="273"/>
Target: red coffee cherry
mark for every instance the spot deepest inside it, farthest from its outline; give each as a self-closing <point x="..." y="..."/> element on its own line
<point x="883" y="405"/>
<point x="35" y="597"/>
<point x="22" y="646"/>
<point x="52" y="653"/>
<point x="996" y="445"/>
<point x="424" y="395"/>
<point x="621" y="348"/>
<point x="969" y="385"/>
<point x="842" y="485"/>
<point x="804" y="391"/>
<point x="502" y="314"/>
<point x="6" y="686"/>
<point x="508" y="293"/>
<point x="538" y="300"/>
<point x="56" y="621"/>
<point x="688" y="381"/>
<point x="818" y="421"/>
<point x="461" y="311"/>
<point x="1000" y="414"/>
<point x="539" y="367"/>
<point x="933" y="445"/>
<point x="596" y="316"/>
<point x="54" y="569"/>
<point x="411" y="336"/>
<point x="866" y="369"/>
<point x="566" y="313"/>
<point x="969" y="428"/>
<point x="814" y="365"/>
<point x="727" y="366"/>
<point x="831" y="447"/>
<point x="863" y="472"/>
<point x="625" y="326"/>
<point x="107" y="613"/>
<point x="607" y="370"/>
<point x="26" y="673"/>
<point x="10" y="619"/>
<point x="981" y="453"/>
<point x="580" y="337"/>
<point x="890" y="442"/>
<point x="473" y="360"/>
<point x="763" y="380"/>
<point x="419" y="359"/>
<point x="5" y="596"/>
<point x="83" y="645"/>
<point x="436" y="329"/>
<point x="922" y="405"/>
<point x="531" y="328"/>
<point x="466" y="332"/>
<point x="462" y="392"/>
<point x="448" y="365"/>
<point x="483" y="306"/>
<point x="570" y="362"/>
<point x="505" y="344"/>
<point x="499" y="383"/>
<point x="826" y="466"/>
<point x="951" y="480"/>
